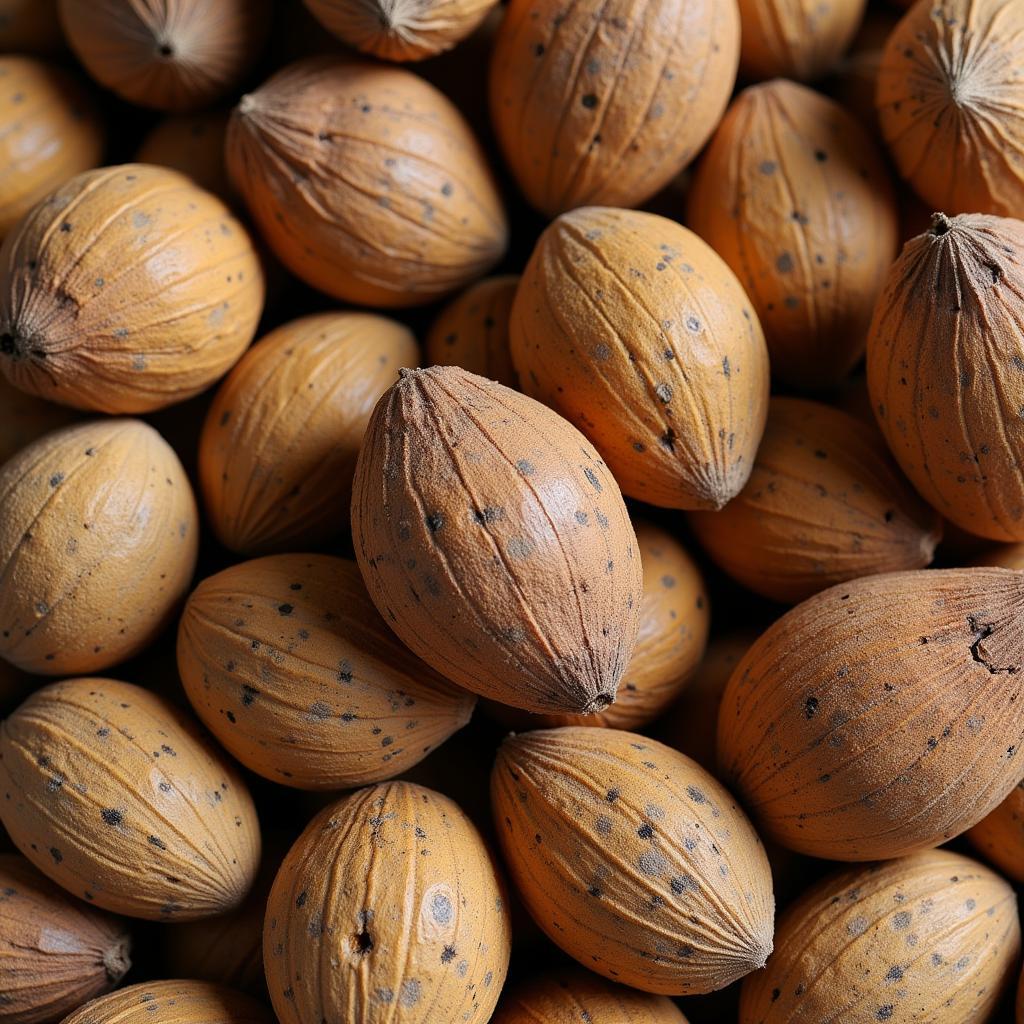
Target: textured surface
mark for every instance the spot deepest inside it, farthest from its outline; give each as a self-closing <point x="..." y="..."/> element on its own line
<point x="172" y="1002"/>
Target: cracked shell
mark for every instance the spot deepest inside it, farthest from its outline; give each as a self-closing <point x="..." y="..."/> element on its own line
<point x="116" y="796"/>
<point x="999" y="836"/>
<point x="172" y="1002"/>
<point x="495" y="542"/>
<point x="387" y="910"/>
<point x="882" y="716"/>
<point x="633" y="859"/>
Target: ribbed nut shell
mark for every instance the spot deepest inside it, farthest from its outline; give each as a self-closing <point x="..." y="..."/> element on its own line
<point x="933" y="937"/>
<point x="999" y="836"/>
<point x="126" y="290"/>
<point x="799" y="39"/>
<point x="605" y="103"/>
<point x="882" y="716"/>
<point x="288" y="664"/>
<point x="173" y="1002"/>
<point x="495" y="542"/>
<point x="387" y="910"/>
<point x="173" y="55"/>
<point x="825" y="503"/>
<point x="279" y="446"/>
<point x="794" y="196"/>
<point x="633" y="329"/>
<point x="49" y="132"/>
<point x="192" y="144"/>
<point x="951" y="104"/>
<point x="472" y="331"/>
<point x="26" y="418"/>
<point x="945" y="361"/>
<point x="366" y="182"/>
<point x="98" y="538"/>
<point x="633" y="859"/>
<point x="400" y="30"/>
<point x="569" y="996"/>
<point x="117" y="796"/>
<point x="55" y="952"/>
<point x="30" y="26"/>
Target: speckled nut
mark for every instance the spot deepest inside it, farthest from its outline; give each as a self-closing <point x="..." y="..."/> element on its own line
<point x="172" y="1002"/>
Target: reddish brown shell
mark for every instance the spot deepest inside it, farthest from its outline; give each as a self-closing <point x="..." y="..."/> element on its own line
<point x="49" y="132"/>
<point x="951" y="107"/>
<point x="27" y="418"/>
<point x="854" y="80"/>
<point x="794" y="196"/>
<point x="127" y="289"/>
<point x="366" y="182"/>
<point x="172" y="1002"/>
<point x="192" y="144"/>
<point x="98" y="538"/>
<point x="288" y="664"/>
<point x="945" y="354"/>
<point x="825" y="503"/>
<point x="569" y="996"/>
<point x="30" y="26"/>
<point x="881" y="716"/>
<point x="495" y="542"/>
<point x="633" y="329"/>
<point x="55" y="952"/>
<point x="169" y="54"/>
<point x="999" y="836"/>
<point x="633" y="859"/>
<point x="388" y="908"/>
<point x="401" y="30"/>
<point x="472" y="331"/>
<point x="605" y="103"/>
<point x="933" y="937"/>
<point x="117" y="796"/>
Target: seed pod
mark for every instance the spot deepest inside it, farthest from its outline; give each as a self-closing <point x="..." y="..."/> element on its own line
<point x="635" y="331"/>
<point x="794" y="196"/>
<point x="847" y="726"/>
<point x="128" y="289"/>
<point x="633" y="859"/>
<point x="288" y="664"/>
<point x="279" y="445"/>
<point x="168" y="54"/>
<point x="388" y="908"/>
<point x="570" y="996"/>
<point x="192" y="144"/>
<point x="824" y="504"/>
<point x="854" y="80"/>
<point x="950" y="104"/>
<point x="49" y="131"/>
<point x="170" y="1002"/>
<point x="55" y="953"/>
<point x="495" y="542"/>
<point x="472" y="331"/>
<point x="366" y="182"/>
<point x="30" y="26"/>
<point x="98" y="537"/>
<point x="932" y="937"/>
<point x="115" y="795"/>
<point x="947" y="396"/>
<point x="999" y="836"/>
<point x="27" y="418"/>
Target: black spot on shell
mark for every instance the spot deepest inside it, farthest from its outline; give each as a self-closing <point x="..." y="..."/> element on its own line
<point x="285" y="609"/>
<point x="696" y="795"/>
<point x="447" y="954"/>
<point x="591" y="476"/>
<point x="810" y="707"/>
<point x="435" y="521"/>
<point x="589" y="101"/>
<point x="112" y="817"/>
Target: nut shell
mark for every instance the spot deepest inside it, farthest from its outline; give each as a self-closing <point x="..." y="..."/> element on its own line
<point x="171" y="1002"/>
<point x="26" y="418"/>
<point x="30" y="26"/>
<point x="192" y="144"/>
<point x="999" y="836"/>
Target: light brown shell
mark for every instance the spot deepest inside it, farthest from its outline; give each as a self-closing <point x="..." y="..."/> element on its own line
<point x="633" y="329"/>
<point x="115" y="794"/>
<point x="945" y="361"/>
<point x="172" y="1002"/>
<point x="825" y="503"/>
<point x="98" y="538"/>
<point x="49" y="132"/>
<point x="30" y="26"/>
<point x="387" y="909"/>
<point x="26" y="418"/>
<point x="472" y="331"/>
<point x="401" y="30"/>
<point x="366" y="182"/>
<point x="951" y="104"/>
<point x="192" y="144"/>
<point x="933" y="937"/>
<point x="288" y="664"/>
<point x="55" y="952"/>
<point x="794" y="196"/>
<point x="605" y="103"/>
<point x="126" y="290"/>
<point x="633" y="859"/>
<point x="999" y="836"/>
<point x="279" y="445"/>
<point x="495" y="542"/>
<point x="569" y="996"/>
<point x="799" y="39"/>
<point x="880" y="717"/>
<point x="169" y="54"/>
